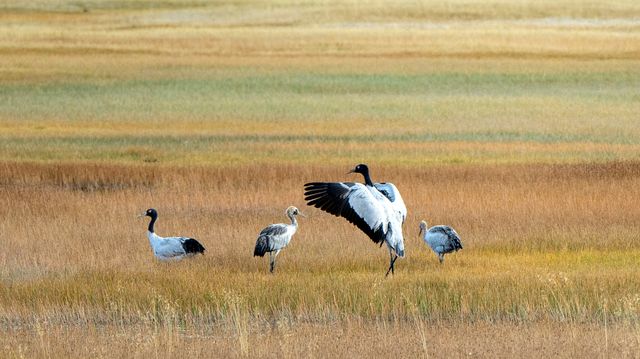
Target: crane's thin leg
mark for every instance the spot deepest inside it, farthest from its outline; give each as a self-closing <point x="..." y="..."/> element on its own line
<point x="392" y="260"/>
<point x="272" y="262"/>
<point x="393" y="264"/>
<point x="441" y="257"/>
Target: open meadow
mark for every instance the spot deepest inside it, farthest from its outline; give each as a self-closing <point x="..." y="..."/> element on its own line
<point x="514" y="122"/>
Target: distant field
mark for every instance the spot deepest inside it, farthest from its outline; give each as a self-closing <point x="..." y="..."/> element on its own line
<point x="515" y="122"/>
<point x="191" y="83"/>
<point x="300" y="115"/>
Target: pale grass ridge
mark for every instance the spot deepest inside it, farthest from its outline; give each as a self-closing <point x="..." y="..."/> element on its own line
<point x="354" y="338"/>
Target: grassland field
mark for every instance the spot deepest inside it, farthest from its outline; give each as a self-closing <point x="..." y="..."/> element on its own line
<point x="515" y="122"/>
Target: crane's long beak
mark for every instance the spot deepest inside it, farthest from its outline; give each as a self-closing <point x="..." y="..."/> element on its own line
<point x="420" y="233"/>
<point x="141" y="215"/>
<point x="352" y="171"/>
<point x="302" y="214"/>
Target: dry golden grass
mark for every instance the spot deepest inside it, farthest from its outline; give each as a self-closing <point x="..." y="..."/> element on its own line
<point x="545" y="250"/>
<point x="515" y="122"/>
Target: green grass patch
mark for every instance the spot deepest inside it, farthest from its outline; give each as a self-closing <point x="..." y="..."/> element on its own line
<point x="269" y="113"/>
<point x="310" y="97"/>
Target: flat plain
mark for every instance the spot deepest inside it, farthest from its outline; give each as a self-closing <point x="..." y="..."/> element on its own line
<point x="514" y="122"/>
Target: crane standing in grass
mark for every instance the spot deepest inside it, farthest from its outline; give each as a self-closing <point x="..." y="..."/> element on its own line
<point x="442" y="239"/>
<point x="376" y="208"/>
<point x="167" y="248"/>
<point x="276" y="237"/>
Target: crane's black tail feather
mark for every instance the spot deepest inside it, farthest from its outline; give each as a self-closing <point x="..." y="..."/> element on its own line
<point x="262" y="246"/>
<point x="192" y="246"/>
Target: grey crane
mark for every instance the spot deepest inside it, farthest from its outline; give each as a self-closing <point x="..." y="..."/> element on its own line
<point x="442" y="239"/>
<point x="276" y="237"/>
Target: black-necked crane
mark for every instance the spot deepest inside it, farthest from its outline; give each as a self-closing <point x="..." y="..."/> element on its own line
<point x="376" y="208"/>
<point x="276" y="237"/>
<point x="170" y="248"/>
<point x="442" y="239"/>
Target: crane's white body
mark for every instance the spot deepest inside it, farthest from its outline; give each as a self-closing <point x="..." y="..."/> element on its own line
<point x="167" y="248"/>
<point x="390" y="191"/>
<point x="379" y="213"/>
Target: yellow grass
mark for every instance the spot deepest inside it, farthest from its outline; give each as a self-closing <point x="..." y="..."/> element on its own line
<point x="515" y="122"/>
<point x="544" y="248"/>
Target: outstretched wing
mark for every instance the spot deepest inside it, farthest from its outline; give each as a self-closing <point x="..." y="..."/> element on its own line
<point x="390" y="191"/>
<point x="352" y="201"/>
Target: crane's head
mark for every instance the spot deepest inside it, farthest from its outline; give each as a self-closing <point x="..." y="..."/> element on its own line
<point x="149" y="213"/>
<point x="423" y="227"/>
<point x="361" y="168"/>
<point x="293" y="211"/>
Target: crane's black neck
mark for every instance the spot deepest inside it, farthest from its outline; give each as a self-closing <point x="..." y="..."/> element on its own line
<point x="367" y="178"/>
<point x="153" y="221"/>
